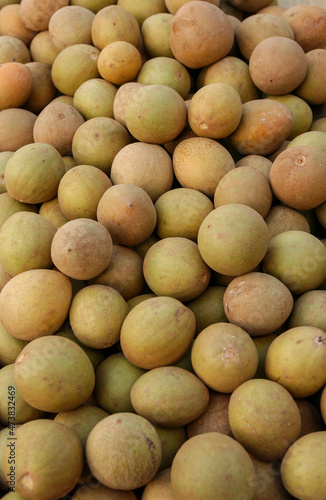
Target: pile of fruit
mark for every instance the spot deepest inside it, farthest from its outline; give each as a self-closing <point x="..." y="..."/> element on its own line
<point x="162" y="250"/>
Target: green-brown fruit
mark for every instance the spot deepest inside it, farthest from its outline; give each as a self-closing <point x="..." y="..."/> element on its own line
<point x="13" y="409"/>
<point x="51" y="211"/>
<point x="114" y="378"/>
<point x="25" y="243"/>
<point x="302" y="467"/>
<point x="298" y="259"/>
<point x="203" y="462"/>
<point x="54" y="374"/>
<point x="114" y="23"/>
<point x="95" y="98"/>
<point x="33" y="173"/>
<point x="302" y="113"/>
<point x="224" y="356"/>
<point x="208" y="307"/>
<point x="214" y="419"/>
<point x="257" y="302"/>
<point x="171" y="257"/>
<point x="232" y="71"/>
<point x="71" y="25"/>
<point x="296" y="360"/>
<point x="97" y="141"/>
<point x="10" y="346"/>
<point x="157" y="332"/>
<point x="155" y="32"/>
<point x="156" y="114"/>
<point x="309" y="310"/>
<point x="159" y="488"/>
<point x="233" y="239"/>
<point x="265" y="434"/>
<point x="73" y="66"/>
<point x="10" y="206"/>
<point x="96" y="315"/>
<point x="35" y="303"/>
<point x="169" y="396"/>
<point x="166" y="71"/>
<point x="124" y="451"/>
<point x="49" y="460"/>
<point x="80" y="191"/>
<point x="81" y="420"/>
<point x="206" y="111"/>
<point x="171" y="440"/>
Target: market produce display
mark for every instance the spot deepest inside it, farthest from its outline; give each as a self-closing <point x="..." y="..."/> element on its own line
<point x="162" y="250"/>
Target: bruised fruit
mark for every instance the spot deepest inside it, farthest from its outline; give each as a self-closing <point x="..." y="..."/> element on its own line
<point x="233" y="239"/>
<point x="265" y="434"/>
<point x="110" y="440"/>
<point x="176" y="256"/>
<point x="296" y="360"/>
<point x="169" y="396"/>
<point x="81" y="248"/>
<point x="35" y="303"/>
<point x="203" y="462"/>
<point x="257" y="302"/>
<point x="224" y="356"/>
<point x="54" y="374"/>
<point x="302" y="466"/>
<point x="157" y="332"/>
<point x="59" y="452"/>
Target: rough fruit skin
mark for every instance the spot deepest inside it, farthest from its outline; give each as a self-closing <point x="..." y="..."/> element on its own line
<point x="124" y="451"/>
<point x="212" y="466"/>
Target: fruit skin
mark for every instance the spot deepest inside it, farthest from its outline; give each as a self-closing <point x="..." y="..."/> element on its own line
<point x="302" y="467"/>
<point x="169" y="396"/>
<point x="296" y="360"/>
<point x="124" y="451"/>
<point x="35" y="303"/>
<point x="212" y="466"/>
<point x="296" y="258"/>
<point x="157" y="332"/>
<point x="233" y="239"/>
<point x="54" y="374"/>
<point x="224" y="356"/>
<point x="264" y="434"/>
<point x="49" y="460"/>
